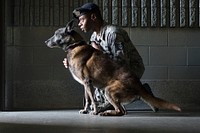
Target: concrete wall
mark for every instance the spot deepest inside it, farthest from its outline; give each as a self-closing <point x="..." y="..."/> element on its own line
<point x="171" y="57"/>
<point x="35" y="75"/>
<point x="37" y="79"/>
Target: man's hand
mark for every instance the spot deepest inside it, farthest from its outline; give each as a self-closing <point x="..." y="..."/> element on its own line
<point x="96" y="46"/>
<point x="65" y="62"/>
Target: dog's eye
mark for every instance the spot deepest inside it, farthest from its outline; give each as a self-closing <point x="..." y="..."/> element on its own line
<point x="63" y="35"/>
<point x="59" y="36"/>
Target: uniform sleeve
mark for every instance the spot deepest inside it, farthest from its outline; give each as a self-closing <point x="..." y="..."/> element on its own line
<point x="92" y="38"/>
<point x="116" y="44"/>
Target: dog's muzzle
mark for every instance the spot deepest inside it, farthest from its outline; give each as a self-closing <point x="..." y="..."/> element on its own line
<point x="46" y="41"/>
<point x="49" y="43"/>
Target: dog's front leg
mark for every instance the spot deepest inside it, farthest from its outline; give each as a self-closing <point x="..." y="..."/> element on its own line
<point x="89" y="90"/>
<point x="89" y="99"/>
<point x="86" y="103"/>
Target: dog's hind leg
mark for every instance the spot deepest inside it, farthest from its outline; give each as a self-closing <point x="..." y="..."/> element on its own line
<point x="113" y="97"/>
<point x="119" y="111"/>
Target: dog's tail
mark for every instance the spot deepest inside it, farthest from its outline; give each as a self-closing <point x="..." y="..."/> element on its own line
<point x="157" y="102"/>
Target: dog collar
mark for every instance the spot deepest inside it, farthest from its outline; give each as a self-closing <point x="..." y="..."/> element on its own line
<point x="72" y="46"/>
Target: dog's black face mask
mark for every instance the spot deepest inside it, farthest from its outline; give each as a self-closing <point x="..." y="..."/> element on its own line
<point x="64" y="37"/>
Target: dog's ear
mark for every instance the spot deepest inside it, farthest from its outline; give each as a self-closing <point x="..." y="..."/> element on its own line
<point x="69" y="26"/>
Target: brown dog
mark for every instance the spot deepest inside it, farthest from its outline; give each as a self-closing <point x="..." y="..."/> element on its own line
<point x="91" y="67"/>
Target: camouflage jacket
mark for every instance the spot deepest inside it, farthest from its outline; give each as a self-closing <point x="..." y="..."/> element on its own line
<point x="116" y="43"/>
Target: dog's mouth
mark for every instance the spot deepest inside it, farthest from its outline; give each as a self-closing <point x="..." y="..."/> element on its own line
<point x="64" y="46"/>
<point x="51" y="44"/>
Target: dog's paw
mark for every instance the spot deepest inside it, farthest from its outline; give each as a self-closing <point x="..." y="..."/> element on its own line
<point x="104" y="114"/>
<point x="93" y="113"/>
<point x="83" y="111"/>
<point x="111" y="113"/>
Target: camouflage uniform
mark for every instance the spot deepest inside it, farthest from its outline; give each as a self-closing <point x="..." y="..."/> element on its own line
<point x="116" y="43"/>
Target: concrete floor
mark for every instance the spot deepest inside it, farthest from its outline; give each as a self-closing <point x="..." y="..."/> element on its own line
<point x="70" y="121"/>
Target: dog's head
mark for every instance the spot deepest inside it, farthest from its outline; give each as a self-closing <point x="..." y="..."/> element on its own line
<point x="64" y="37"/>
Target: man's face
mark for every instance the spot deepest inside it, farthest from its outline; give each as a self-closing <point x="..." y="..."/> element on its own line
<point x="85" y="23"/>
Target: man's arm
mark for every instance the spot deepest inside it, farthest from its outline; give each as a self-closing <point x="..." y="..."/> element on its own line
<point x="116" y="44"/>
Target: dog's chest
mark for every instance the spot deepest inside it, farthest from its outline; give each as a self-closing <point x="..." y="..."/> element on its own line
<point x="74" y="76"/>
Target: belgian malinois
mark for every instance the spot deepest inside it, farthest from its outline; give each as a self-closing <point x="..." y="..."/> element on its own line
<point x="93" y="68"/>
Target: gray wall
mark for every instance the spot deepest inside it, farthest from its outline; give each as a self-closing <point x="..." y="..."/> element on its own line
<point x="37" y="79"/>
